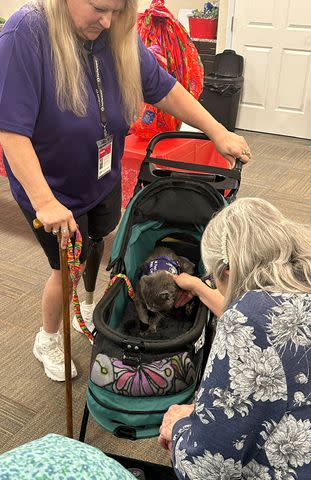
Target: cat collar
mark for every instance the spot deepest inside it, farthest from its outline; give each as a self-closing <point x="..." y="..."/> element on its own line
<point x="161" y="263"/>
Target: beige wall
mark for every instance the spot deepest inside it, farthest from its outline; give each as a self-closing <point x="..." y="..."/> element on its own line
<point x="173" y="5"/>
<point x="222" y="25"/>
<point x="9" y="6"/>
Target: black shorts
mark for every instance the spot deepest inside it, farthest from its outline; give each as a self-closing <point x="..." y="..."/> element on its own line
<point x="95" y="224"/>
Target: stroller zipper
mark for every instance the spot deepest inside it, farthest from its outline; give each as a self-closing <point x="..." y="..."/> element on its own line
<point x="133" y="412"/>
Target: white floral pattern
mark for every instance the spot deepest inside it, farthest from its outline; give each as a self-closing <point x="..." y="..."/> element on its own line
<point x="259" y="373"/>
<point x="289" y="443"/>
<point x="102" y="370"/>
<point x="290" y="323"/>
<point x="301" y="378"/>
<point x="180" y="457"/>
<point x="230" y="402"/>
<point x="204" y="413"/>
<point x="233" y="336"/>
<point x="301" y="399"/>
<point x="261" y="352"/>
<point x="239" y="443"/>
<point x="210" y="467"/>
<point x="285" y="475"/>
<point x="229" y="337"/>
<point x="255" y="471"/>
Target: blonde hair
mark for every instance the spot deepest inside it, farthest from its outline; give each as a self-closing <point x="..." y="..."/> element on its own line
<point x="124" y="44"/>
<point x="262" y="249"/>
<point x="70" y="77"/>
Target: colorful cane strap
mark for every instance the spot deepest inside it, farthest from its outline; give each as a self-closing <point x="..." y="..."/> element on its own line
<point x="73" y="256"/>
<point x="127" y="281"/>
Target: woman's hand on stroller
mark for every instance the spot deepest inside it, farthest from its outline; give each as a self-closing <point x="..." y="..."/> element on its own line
<point x="174" y="413"/>
<point x="232" y="146"/>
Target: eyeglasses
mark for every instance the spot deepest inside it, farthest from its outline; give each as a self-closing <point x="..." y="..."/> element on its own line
<point x="209" y="280"/>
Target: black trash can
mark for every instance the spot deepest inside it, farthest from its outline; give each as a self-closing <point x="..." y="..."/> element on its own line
<point x="222" y="88"/>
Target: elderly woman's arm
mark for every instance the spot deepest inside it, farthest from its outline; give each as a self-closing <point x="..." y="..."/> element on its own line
<point x="236" y="399"/>
<point x="192" y="286"/>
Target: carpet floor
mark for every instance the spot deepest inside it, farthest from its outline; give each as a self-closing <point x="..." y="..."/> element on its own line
<point x="31" y="405"/>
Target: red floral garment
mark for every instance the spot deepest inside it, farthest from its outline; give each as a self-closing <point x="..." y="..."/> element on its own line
<point x="176" y="53"/>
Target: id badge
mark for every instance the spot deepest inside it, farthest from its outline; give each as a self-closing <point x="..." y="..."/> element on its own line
<point x="104" y="155"/>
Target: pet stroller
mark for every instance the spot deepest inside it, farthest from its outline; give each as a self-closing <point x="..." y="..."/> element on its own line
<point x="134" y="378"/>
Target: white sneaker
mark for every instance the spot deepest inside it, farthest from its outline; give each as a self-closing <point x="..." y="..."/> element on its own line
<point x="87" y="315"/>
<point x="49" y="351"/>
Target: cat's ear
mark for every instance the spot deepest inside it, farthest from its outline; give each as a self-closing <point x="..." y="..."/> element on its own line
<point x="186" y="265"/>
<point x="144" y="279"/>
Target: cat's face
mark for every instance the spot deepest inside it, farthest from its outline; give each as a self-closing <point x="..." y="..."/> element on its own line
<point x="159" y="291"/>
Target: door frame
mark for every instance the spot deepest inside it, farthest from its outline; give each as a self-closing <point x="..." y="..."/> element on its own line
<point x="230" y="17"/>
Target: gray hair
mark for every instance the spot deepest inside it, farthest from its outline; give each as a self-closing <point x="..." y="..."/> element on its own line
<point x="262" y="249"/>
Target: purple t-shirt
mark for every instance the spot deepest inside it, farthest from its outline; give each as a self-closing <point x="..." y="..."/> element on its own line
<point x="65" y="144"/>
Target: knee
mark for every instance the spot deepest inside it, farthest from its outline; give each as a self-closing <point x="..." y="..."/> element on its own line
<point x="56" y="277"/>
<point x="56" y="280"/>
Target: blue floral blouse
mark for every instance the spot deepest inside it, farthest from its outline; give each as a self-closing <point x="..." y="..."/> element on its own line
<point x="252" y="417"/>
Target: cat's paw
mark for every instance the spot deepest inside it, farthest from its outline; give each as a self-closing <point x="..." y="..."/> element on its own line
<point x="150" y="331"/>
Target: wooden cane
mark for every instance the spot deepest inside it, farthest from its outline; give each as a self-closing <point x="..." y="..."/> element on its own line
<point x="66" y="329"/>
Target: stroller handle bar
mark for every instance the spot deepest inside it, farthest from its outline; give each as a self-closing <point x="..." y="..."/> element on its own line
<point x="166" y="135"/>
<point x="220" y="178"/>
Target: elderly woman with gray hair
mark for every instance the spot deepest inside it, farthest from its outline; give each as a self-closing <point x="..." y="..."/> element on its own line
<point x="252" y="414"/>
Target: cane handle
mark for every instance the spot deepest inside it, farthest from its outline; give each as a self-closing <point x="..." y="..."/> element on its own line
<point x="37" y="224"/>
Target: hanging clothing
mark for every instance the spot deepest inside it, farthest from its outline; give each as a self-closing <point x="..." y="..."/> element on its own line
<point x="168" y="40"/>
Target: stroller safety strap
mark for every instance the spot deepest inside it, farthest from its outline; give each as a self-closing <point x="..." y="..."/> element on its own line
<point x="127" y="281"/>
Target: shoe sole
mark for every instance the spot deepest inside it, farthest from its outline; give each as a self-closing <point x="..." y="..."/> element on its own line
<point x="46" y="371"/>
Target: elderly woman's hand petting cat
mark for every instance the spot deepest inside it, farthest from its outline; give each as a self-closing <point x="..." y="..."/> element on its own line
<point x="188" y="285"/>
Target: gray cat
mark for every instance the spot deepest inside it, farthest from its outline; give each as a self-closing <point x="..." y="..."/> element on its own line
<point x="156" y="290"/>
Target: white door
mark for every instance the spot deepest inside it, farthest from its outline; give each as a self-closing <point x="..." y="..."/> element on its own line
<point x="274" y="36"/>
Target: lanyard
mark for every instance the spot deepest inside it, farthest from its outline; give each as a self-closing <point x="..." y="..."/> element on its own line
<point x="99" y="91"/>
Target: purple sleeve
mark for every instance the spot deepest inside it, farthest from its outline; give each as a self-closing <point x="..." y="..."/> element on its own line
<point x="156" y="81"/>
<point x="20" y="83"/>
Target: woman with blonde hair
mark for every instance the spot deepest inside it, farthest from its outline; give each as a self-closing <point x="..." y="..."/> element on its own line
<point x="73" y="77"/>
<point x="251" y="418"/>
